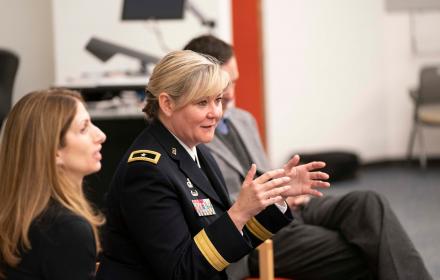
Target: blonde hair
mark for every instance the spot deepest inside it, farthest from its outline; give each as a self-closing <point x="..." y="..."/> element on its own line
<point x="34" y="130"/>
<point x="186" y="76"/>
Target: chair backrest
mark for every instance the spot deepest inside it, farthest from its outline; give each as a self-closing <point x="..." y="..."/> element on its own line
<point x="8" y="70"/>
<point x="429" y="87"/>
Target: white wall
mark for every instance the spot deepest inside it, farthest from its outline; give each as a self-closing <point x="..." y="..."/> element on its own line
<point x="77" y="21"/>
<point x="403" y="66"/>
<point x="336" y="77"/>
<point x="26" y="28"/>
<point x="336" y="72"/>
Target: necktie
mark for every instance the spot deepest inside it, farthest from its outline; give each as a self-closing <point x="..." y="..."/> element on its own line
<point x="222" y="127"/>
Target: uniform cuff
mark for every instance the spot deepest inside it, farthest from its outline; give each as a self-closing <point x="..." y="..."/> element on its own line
<point x="221" y="243"/>
<point x="268" y="222"/>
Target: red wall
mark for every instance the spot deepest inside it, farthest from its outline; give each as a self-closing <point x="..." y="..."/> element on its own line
<point x="247" y="41"/>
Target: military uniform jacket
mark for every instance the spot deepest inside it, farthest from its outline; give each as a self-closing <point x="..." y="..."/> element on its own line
<point x="167" y="219"/>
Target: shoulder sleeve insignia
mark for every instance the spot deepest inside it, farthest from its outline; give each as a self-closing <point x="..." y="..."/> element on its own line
<point x="144" y="155"/>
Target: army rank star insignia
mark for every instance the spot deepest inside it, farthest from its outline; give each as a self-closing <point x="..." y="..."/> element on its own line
<point x="144" y="155"/>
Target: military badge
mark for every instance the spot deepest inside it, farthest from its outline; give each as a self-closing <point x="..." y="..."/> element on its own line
<point x="203" y="207"/>
<point x="189" y="184"/>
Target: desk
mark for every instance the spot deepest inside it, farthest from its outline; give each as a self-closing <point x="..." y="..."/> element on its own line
<point x="95" y="87"/>
<point x="116" y="113"/>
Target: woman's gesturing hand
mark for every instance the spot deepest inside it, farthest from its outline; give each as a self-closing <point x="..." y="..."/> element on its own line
<point x="257" y="194"/>
<point x="304" y="179"/>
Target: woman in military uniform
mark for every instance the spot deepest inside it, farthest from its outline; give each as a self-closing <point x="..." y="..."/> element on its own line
<point x="168" y="211"/>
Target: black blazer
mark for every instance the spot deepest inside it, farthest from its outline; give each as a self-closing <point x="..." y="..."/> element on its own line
<point x="167" y="219"/>
<point x="63" y="247"/>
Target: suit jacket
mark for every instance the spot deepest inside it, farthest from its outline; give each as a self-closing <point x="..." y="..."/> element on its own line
<point x="232" y="171"/>
<point x="63" y="247"/>
<point x="167" y="219"/>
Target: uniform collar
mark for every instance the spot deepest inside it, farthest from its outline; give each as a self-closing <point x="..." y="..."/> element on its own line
<point x="176" y="151"/>
<point x="191" y="151"/>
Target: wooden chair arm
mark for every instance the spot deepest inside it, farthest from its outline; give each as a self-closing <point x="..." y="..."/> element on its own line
<point x="266" y="264"/>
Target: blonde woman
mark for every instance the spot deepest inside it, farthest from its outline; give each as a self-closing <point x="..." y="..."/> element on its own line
<point x="169" y="213"/>
<point x="47" y="228"/>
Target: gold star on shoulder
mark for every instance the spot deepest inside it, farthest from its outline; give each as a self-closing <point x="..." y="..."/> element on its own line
<point x="144" y="155"/>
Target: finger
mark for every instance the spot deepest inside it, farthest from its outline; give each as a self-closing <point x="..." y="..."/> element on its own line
<point x="313" y="192"/>
<point x="276" y="191"/>
<point x="294" y="161"/>
<point x="250" y="175"/>
<point x="275" y="183"/>
<point x="276" y="173"/>
<point x="315" y="165"/>
<point x="318" y="175"/>
<point x="320" y="184"/>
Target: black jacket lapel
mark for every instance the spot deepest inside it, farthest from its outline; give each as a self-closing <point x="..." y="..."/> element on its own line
<point x="213" y="172"/>
<point x="185" y="162"/>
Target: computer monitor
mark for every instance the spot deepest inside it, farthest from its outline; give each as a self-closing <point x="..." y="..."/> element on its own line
<point x="152" y="9"/>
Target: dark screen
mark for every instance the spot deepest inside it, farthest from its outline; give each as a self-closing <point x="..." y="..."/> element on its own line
<point x="152" y="9"/>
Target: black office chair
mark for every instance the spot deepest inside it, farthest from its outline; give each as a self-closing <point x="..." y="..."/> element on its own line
<point x="426" y="109"/>
<point x="8" y="70"/>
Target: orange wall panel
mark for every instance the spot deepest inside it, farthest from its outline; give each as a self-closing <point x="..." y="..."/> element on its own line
<point x="246" y="17"/>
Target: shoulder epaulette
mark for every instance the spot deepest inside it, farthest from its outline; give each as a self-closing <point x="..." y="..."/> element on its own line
<point x="144" y="155"/>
